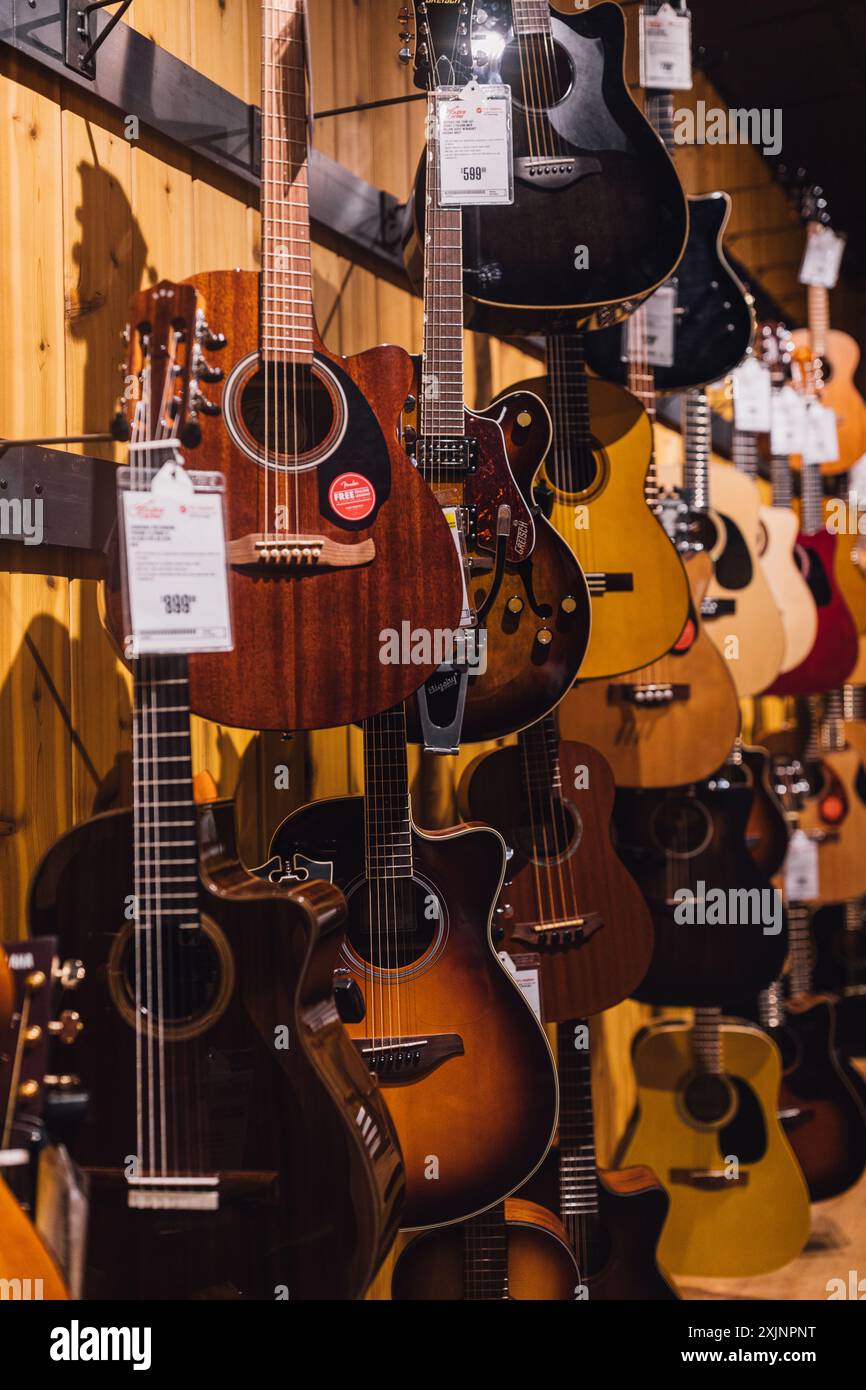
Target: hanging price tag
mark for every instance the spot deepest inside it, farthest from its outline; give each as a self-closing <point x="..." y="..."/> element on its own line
<point x="800" y="870"/>
<point x="821" y="444"/>
<point x="654" y="328"/>
<point x="822" y="258"/>
<point x="176" y="595"/>
<point x="788" y="422"/>
<point x="475" y="156"/>
<point x="523" y="969"/>
<point x="666" y="49"/>
<point x="753" y="391"/>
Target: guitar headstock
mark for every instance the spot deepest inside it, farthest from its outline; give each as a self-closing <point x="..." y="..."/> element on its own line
<point x="162" y="398"/>
<point x="443" y="48"/>
<point x="775" y="347"/>
<point x="806" y="371"/>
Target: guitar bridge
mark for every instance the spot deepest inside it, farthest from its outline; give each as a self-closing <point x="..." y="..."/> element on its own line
<point x="569" y="931"/>
<point x="646" y="693"/>
<point x="299" y="553"/>
<point x="709" y="1179"/>
<point x="404" y="1060"/>
<point x="556" y="172"/>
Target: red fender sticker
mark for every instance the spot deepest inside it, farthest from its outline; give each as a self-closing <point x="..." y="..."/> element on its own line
<point x="351" y="496"/>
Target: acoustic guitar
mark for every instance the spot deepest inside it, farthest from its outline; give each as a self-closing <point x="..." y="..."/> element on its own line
<point x="517" y="1249"/>
<point x="707" y="1124"/>
<point x="525" y="600"/>
<point x="839" y="946"/>
<point x="323" y="506"/>
<point x="594" y="486"/>
<point x="567" y="896"/>
<point x="713" y="318"/>
<point x="428" y="1004"/>
<point x="614" y="1218"/>
<point x="599" y="215"/>
<point x="226" y="1100"/>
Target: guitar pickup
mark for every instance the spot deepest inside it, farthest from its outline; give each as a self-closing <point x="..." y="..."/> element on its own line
<point x="709" y="1179"/>
<point x="408" y="1059"/>
<point x="569" y="931"/>
<point x="299" y="553"/>
<point x="449" y="454"/>
<point x="647" y="693"/>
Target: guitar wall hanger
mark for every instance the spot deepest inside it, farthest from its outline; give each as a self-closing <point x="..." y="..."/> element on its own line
<point x="81" y="47"/>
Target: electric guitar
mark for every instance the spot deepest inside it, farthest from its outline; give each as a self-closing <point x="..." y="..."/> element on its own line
<point x="567" y="896"/>
<point x="227" y="1103"/>
<point x="524" y="597"/>
<point x="323" y="506"/>
<point x="599" y="216"/>
<point x="706" y="1123"/>
<point x="713" y="319"/>
<point x="426" y="1000"/>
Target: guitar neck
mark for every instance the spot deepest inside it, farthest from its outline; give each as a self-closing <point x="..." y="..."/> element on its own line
<point x="388" y="821"/>
<point x="833" y="723"/>
<point x="531" y="16"/>
<point x="698" y="439"/>
<point x="854" y="701"/>
<point x="568" y="396"/>
<point x="485" y="1255"/>
<point x="780" y="476"/>
<point x="539" y="747"/>
<point x="707" y="1041"/>
<point x="800" y="948"/>
<point x="441" y="405"/>
<point x="745" y="452"/>
<point x="286" y="315"/>
<point x="819" y="318"/>
<point x="811" y="499"/>
<point x="578" y="1170"/>
<point x="660" y="111"/>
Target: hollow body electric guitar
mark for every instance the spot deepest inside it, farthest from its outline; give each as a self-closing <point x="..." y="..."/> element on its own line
<point x="598" y="215"/>
<point x="525" y="597"/>
<point x="426" y="1000"/>
<point x="707" y="1124"/>
<point x="323" y="506"/>
<point x="227" y="1103"/>
<point x="567" y="895"/>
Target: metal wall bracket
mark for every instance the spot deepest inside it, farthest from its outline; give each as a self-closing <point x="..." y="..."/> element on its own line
<point x="81" y="48"/>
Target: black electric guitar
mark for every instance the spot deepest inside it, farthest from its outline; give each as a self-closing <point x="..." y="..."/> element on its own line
<point x="713" y="315"/>
<point x="235" y="1144"/>
<point x="599" y="215"/>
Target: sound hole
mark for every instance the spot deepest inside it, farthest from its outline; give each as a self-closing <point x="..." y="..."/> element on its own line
<point x="707" y="1099"/>
<point x="682" y="826"/>
<point x="393" y="922"/>
<point x="548" y="830"/>
<point x="287" y="409"/>
<point x="178" y="979"/>
<point x="547" y="83"/>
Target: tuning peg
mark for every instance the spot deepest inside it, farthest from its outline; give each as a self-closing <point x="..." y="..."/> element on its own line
<point x="67" y="1027"/>
<point x="202" y="370"/>
<point x="200" y="403"/>
<point x="214" y="342"/>
<point x="119" y="428"/>
<point x="404" y="55"/>
<point x="190" y="434"/>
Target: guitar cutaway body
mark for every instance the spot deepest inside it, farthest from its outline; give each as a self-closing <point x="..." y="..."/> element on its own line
<point x="793" y="597"/>
<point x="835" y="650"/>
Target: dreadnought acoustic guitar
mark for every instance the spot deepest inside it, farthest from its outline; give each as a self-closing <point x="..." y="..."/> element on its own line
<point x="614" y="1218"/>
<point x="517" y="1249"/>
<point x="599" y="215"/>
<point x="323" y="505"/>
<point x="567" y="896"/>
<point x="712" y="312"/>
<point x="593" y="486"/>
<point x="426" y="1000"/>
<point x="707" y="1124"/>
<point x="227" y="1104"/>
<point x="525" y="597"/>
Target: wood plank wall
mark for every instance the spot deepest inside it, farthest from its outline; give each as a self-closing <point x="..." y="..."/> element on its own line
<point x="87" y="216"/>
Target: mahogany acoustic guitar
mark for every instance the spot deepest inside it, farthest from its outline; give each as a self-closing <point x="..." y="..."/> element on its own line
<point x="323" y="505"/>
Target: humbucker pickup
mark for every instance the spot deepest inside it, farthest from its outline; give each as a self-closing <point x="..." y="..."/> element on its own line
<point x="408" y="1059"/>
<point x="448" y="455"/>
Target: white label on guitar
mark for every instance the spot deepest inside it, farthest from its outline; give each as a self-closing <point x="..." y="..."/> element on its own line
<point x="666" y="49"/>
<point x="176" y="570"/>
<point x="475" y="156"/>
<point x="753" y="390"/>
<point x="822" y="435"/>
<point x="788" y="422"/>
<point x="526" y="979"/>
<point x="800" y="870"/>
<point x="654" y="328"/>
<point x="822" y="258"/>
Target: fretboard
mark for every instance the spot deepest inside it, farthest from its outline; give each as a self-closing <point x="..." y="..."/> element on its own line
<point x="442" y="410"/>
<point x="286" y="313"/>
<point x="854" y="701"/>
<point x="539" y="746"/>
<point x="164" y="819"/>
<point x="819" y="318"/>
<point x="388" y="824"/>
<point x="707" y="1041"/>
<point x="833" y="722"/>
<point x="660" y="111"/>
<point x="800" y="948"/>
<point x="531" y="16"/>
<point x="698" y="441"/>
<point x="485" y="1255"/>
<point x="578" y="1172"/>
<point x="780" y="476"/>
<point x="745" y="452"/>
<point x="568" y="395"/>
<point x="811" y="499"/>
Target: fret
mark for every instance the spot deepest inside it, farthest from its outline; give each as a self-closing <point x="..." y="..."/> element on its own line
<point x="485" y="1255"/>
<point x="568" y="394"/>
<point x="578" y="1172"/>
<point x="387" y="811"/>
<point x="799" y="948"/>
<point x="745" y="452"/>
<point x="531" y="17"/>
<point x="819" y="318"/>
<point x="442" y="412"/>
<point x="707" y="1041"/>
<point x="698" y="443"/>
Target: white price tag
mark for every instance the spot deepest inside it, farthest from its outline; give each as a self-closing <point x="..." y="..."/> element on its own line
<point x="666" y="49"/>
<point x="475" y="154"/>
<point x="176" y="573"/>
<point x="753" y="391"/>
<point x="788" y="423"/>
<point x="821" y="444"/>
<point x="800" y="870"/>
<point x="822" y="258"/>
<point x="654" y="328"/>
<point x="526" y="979"/>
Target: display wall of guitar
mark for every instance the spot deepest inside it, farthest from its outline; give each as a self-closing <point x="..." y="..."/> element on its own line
<point x="525" y="595"/>
<point x="323" y="505"/>
<point x="713" y="316"/>
<point x="588" y="169"/>
<point x="567" y="896"/>
<point x="425" y="998"/>
<point x="275" y="1165"/>
<point x="707" y="1095"/>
